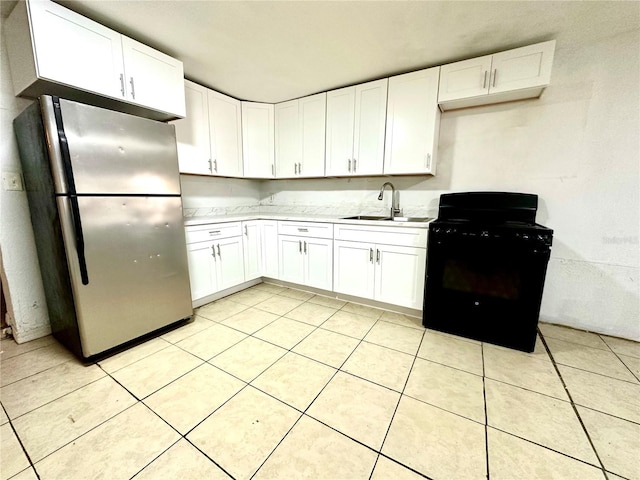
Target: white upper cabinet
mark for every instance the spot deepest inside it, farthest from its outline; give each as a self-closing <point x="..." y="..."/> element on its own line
<point x="512" y="75"/>
<point x="53" y="50"/>
<point x="225" y="133"/>
<point x="300" y="137"/>
<point x="74" y="50"/>
<point x="151" y="75"/>
<point x="192" y="132"/>
<point x="312" y="118"/>
<point x="258" y="140"/>
<point x="287" y="138"/>
<point x="355" y="129"/>
<point x="209" y="137"/>
<point x="413" y="123"/>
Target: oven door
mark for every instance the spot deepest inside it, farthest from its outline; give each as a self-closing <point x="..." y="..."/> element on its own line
<point x="488" y="289"/>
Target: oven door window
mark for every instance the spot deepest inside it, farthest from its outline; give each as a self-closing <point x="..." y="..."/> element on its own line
<point x="484" y="276"/>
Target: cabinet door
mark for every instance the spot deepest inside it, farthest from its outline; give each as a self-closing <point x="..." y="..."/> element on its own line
<point x="287" y="139"/>
<point x="400" y="273"/>
<point x="252" y="249"/>
<point x="353" y="268"/>
<point x="192" y="132"/>
<point x="225" y="133"/>
<point x="291" y="259"/>
<point x="318" y="262"/>
<point x="368" y="136"/>
<point x="257" y="140"/>
<point x="230" y="262"/>
<point x="465" y="79"/>
<point x="312" y="120"/>
<point x="72" y="49"/>
<point x="524" y="67"/>
<point x="339" y="138"/>
<point x="153" y="79"/>
<point x="269" y="236"/>
<point x="413" y="121"/>
<point x="202" y="269"/>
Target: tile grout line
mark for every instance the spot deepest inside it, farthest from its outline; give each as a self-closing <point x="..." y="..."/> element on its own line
<point x="399" y="400"/>
<point x="303" y="413"/>
<point x="618" y="357"/>
<point x="573" y="405"/>
<point x="15" y="433"/>
<point x="486" y="415"/>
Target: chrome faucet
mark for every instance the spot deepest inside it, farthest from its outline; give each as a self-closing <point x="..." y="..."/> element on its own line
<point x="395" y="207"/>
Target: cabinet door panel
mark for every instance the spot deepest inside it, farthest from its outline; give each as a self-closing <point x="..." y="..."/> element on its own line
<point x="524" y="67"/>
<point x="77" y="51"/>
<point x="153" y="79"/>
<point x="400" y="275"/>
<point x="318" y="261"/>
<point x="270" y="262"/>
<point x="225" y="132"/>
<point x="413" y="120"/>
<point x="465" y="79"/>
<point x="230" y="262"/>
<point x="312" y="135"/>
<point x="287" y="138"/>
<point x="257" y="140"/>
<point x="291" y="259"/>
<point x="369" y="127"/>
<point x="202" y="269"/>
<point x="353" y="268"/>
<point x="192" y="132"/>
<point x="252" y="249"/>
<point x="339" y="138"/>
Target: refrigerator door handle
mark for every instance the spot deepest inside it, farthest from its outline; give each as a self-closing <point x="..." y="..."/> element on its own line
<point x="71" y="186"/>
<point x="77" y="230"/>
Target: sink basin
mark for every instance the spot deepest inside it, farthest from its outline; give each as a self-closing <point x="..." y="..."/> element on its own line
<point x="366" y="217"/>
<point x="410" y="219"/>
<point x="388" y="219"/>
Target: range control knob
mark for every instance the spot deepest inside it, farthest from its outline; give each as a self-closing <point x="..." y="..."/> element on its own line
<point x="484" y="234"/>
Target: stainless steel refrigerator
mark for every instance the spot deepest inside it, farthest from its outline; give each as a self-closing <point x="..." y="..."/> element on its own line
<point x="106" y="208"/>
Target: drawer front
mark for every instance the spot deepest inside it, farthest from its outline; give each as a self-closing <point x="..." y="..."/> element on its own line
<point x="400" y="236"/>
<point x="306" y="229"/>
<point x="213" y="231"/>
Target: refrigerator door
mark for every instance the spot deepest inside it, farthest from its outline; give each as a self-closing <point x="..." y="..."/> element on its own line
<point x="136" y="264"/>
<point x="110" y="152"/>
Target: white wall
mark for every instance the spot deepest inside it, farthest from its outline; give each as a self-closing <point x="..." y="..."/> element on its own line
<point x="578" y="148"/>
<point x="22" y="283"/>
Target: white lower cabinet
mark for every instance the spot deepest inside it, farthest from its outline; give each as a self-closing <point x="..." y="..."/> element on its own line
<point x="399" y="275"/>
<point x="385" y="273"/>
<point x="252" y="249"/>
<point x="306" y="260"/>
<point x="269" y="236"/>
<point x="214" y="264"/>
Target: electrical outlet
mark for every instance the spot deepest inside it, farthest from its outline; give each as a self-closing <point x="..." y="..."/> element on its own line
<point x="12" y="181"/>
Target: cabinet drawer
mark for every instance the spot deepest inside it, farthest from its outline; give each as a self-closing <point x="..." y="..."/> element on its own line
<point x="401" y="236"/>
<point x="212" y="231"/>
<point x="306" y="229"/>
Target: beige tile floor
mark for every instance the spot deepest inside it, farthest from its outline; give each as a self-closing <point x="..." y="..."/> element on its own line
<point x="278" y="383"/>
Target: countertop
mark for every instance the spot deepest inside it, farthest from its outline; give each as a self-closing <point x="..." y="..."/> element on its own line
<point x="203" y="220"/>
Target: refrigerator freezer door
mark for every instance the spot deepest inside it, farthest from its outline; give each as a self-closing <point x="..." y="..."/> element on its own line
<point x="138" y="279"/>
<point x="112" y="152"/>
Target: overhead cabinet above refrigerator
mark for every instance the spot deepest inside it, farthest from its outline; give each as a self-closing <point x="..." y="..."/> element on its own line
<point x="53" y="50"/>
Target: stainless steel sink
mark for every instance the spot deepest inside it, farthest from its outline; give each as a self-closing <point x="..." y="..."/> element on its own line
<point x="388" y="219"/>
<point x="366" y="217"/>
<point x="410" y="219"/>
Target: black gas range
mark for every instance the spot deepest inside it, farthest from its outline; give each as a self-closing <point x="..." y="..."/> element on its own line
<point x="486" y="266"/>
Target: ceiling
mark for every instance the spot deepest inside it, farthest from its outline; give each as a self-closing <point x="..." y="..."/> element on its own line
<point x="272" y="51"/>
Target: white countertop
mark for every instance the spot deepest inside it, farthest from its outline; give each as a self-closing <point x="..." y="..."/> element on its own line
<point x="203" y="220"/>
